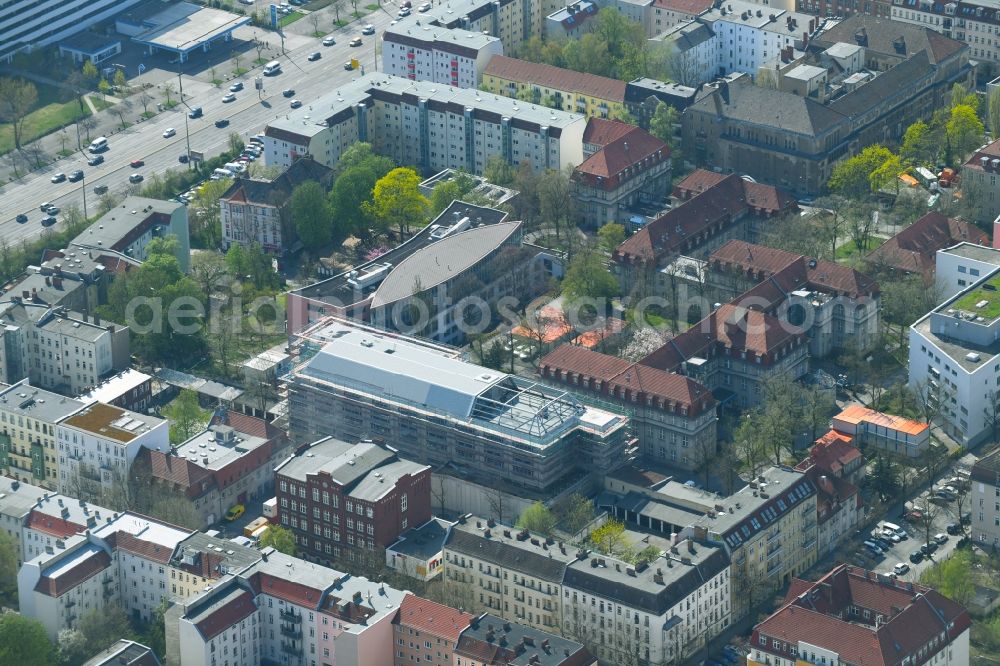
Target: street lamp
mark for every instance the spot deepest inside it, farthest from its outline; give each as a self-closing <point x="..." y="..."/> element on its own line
<point x="187" y="131"/>
<point x="83" y="187"/>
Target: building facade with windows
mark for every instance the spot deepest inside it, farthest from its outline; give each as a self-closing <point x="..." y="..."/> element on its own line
<point x="985" y="500"/>
<point x="591" y="95"/>
<point x="427" y="631"/>
<point x="418" y="51"/>
<point x="22" y="31"/>
<point x="28" y="444"/>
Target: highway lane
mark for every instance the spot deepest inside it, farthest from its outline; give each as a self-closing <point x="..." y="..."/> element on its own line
<point x="247" y="115"/>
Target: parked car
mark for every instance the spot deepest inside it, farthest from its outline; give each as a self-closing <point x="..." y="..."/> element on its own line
<point x="169" y="132"/>
<point x="228" y="97"/>
<point x="295" y="104"/>
<point x="135" y="178"/>
<point x="235" y="512"/>
<point x="76" y="176"/>
<point x="928" y="548"/>
<point x="953" y="529"/>
<point x="58" y="177"/>
<point x="368" y="30"/>
<point x="916" y="557"/>
<point x="941" y="538"/>
<point x="21" y="219"/>
<point x="889" y="535"/>
<point x="314" y="56"/>
<point x="196" y="112"/>
<point x="95" y="160"/>
<point x="236" y="87"/>
<point x="329" y="41"/>
<point x="357" y="41"/>
<point x="872" y="546"/>
<point x="901" y="569"/>
<point x="404" y="12"/>
<point x="426" y="7"/>
<point x="222" y="122"/>
<point x="135" y="164"/>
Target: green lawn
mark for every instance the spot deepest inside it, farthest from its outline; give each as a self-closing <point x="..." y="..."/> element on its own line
<point x="289" y="19"/>
<point x="56" y="108"/>
<point x="850" y="249"/>
<point x="987" y="292"/>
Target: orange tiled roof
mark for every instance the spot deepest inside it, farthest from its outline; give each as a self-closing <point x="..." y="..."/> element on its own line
<point x="856" y="414"/>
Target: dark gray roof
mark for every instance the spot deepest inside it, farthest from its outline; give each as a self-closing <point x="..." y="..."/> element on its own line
<point x="887" y="37"/>
<point x="125" y="653"/>
<point x="643" y="590"/>
<point x="520" y="644"/>
<point x="423" y="542"/>
<point x="547" y="563"/>
<point x="899" y="81"/>
<point x="764" y="106"/>
<point x="276" y="192"/>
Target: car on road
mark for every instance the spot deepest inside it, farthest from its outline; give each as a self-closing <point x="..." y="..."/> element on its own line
<point x="222" y="122"/>
<point x="21" y="219"/>
<point x="100" y="189"/>
<point x="182" y="158"/>
<point x="368" y="30"/>
<point x="404" y="12"/>
<point x="287" y="92"/>
<point x="426" y="7"/>
<point x="58" y="177"/>
<point x="44" y="207"/>
<point x="348" y="65"/>
<point x="135" y="164"/>
<point x="941" y="538"/>
<point x="901" y="569"/>
<point x="295" y="104"/>
<point x="314" y="56"/>
<point x="235" y="512"/>
<point x="916" y="557"/>
<point x="169" y="132"/>
<point x="76" y="176"/>
<point x="236" y="87"/>
<point x="51" y="209"/>
<point x="329" y="41"/>
<point x="196" y="112"/>
<point x="48" y="221"/>
<point x="357" y="41"/>
<point x="95" y="160"/>
<point x="228" y="97"/>
<point x="135" y="178"/>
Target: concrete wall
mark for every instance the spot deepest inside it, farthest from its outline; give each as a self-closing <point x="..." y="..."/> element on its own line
<point x="454" y="496"/>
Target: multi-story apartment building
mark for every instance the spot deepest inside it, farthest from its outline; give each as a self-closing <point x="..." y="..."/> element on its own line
<point x="591" y="95"/>
<point x="796" y="141"/>
<point x="854" y="616"/>
<point x="835" y="467"/>
<point x="837" y="306"/>
<point x="55" y="518"/>
<point x="512" y="21"/>
<point x="28" y="418"/>
<point x="673" y="416"/>
<point x="341" y="500"/>
<point x="202" y="560"/>
<point x="231" y="462"/>
<point x="710" y="209"/>
<point x="643" y="95"/>
<point x="629" y="170"/>
<point x="657" y="613"/>
<point x="288" y="611"/>
<point x="22" y="31"/>
<point x="768" y="529"/>
<point x="668" y="13"/>
<point x="129" y="389"/>
<point x="914" y="249"/>
<point x="985" y="500"/>
<point x="361" y="382"/>
<point x="955" y="360"/>
<point x="975" y="23"/>
<point x="127" y="229"/>
<point x="491" y="640"/>
<point x="572" y="21"/>
<point x="963" y="264"/>
<point x="125" y="653"/>
<point x="979" y="179"/>
<point x="515" y="574"/>
<point x="833" y="8"/>
<point x="97" y="445"/>
<point x="17" y="499"/>
<point x="256" y="211"/>
<point x="57" y="349"/>
<point x="421" y="51"/>
<point x="427" y="631"/>
<point x="428" y="125"/>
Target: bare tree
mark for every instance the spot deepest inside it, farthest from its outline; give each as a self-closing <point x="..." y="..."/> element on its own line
<point x="87" y="124"/>
<point x="123" y="107"/>
<point x="495" y="501"/>
<point x="168" y="90"/>
<point x="17" y="98"/>
<point x="992" y="412"/>
<point x="314" y="20"/>
<point x="144" y="98"/>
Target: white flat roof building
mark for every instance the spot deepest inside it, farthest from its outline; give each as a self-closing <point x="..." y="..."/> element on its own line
<point x="416" y="50"/>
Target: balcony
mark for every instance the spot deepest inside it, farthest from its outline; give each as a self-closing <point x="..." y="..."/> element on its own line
<point x="289" y="648"/>
<point x="773" y="536"/>
<point x="290" y="616"/>
<point x="289" y="630"/>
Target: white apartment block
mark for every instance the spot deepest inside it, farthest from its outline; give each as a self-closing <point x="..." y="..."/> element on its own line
<point x="975" y="23"/>
<point x="28" y="418"/>
<point x="56" y="518"/>
<point x="289" y="611"/>
<point x="57" y="349"/>
<point x="450" y="56"/>
<point x="955" y="359"/>
<point x="658" y="613"/>
<point x="985" y="501"/>
<point x="957" y="267"/>
<point x="25" y="25"/>
<point x="16" y="501"/>
<point x="428" y="125"/>
<point x="512" y="21"/>
<point x="98" y="444"/>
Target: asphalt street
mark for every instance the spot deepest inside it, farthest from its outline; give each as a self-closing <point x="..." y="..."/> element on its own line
<point x="248" y="115"/>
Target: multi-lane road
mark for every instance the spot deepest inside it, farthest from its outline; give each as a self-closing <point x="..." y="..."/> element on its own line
<point x="247" y="115"/>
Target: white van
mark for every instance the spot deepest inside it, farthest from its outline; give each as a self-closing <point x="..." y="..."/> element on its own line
<point x="234" y="167"/>
<point x="98" y="145"/>
<point x="219" y="174"/>
<point x="899" y="531"/>
<point x="272" y="68"/>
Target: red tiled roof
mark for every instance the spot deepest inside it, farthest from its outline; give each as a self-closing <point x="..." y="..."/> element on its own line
<point x="602" y="131"/>
<point x="145" y="549"/>
<point x="549" y="76"/>
<point x="914" y="249"/>
<point x="697" y="182"/>
<point x="990" y="150"/>
<point x="250" y="425"/>
<point x="615" y="375"/>
<point x="67" y="580"/>
<point x="239" y="608"/>
<point x="53" y="525"/>
<point x="637" y="150"/>
<point x="694" y="7"/>
<point x="185" y="474"/>
<point x="296" y="593"/>
<point x="432" y="618"/>
<point x="911" y="614"/>
<point x="832" y="452"/>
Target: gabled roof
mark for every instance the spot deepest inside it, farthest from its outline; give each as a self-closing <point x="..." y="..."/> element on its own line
<point x="510" y="552"/>
<point x="235" y="606"/>
<point x="96" y="561"/>
<point x="549" y="76"/>
<point x="602" y="131"/>
<point x="432" y="618"/>
<point x="786" y="111"/>
<point x="277" y="192"/>
<point x="883" y="35"/>
<point x="914" y="249"/>
<point x="694" y="7"/>
<point x="832" y="453"/>
<point x="619" y="160"/>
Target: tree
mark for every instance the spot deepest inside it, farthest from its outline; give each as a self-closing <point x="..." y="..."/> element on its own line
<point x="887" y="174"/>
<point x="574" y="512"/>
<point x="206" y="225"/>
<point x="157" y="629"/>
<point x="884" y="477"/>
<point x="311" y="214"/>
<point x="663" y="122"/>
<point x="8" y="569"/>
<point x="611" y="236"/>
<point x="397" y="199"/>
<point x="645" y="340"/>
<point x="993" y="110"/>
<point x="145" y="98"/>
<point x="123" y="107"/>
<point x="610" y="538"/>
<point x="236" y="56"/>
<point x="168" y="90"/>
<point x="587" y="277"/>
<point x="23" y="641"/>
<point x="187" y="418"/>
<point x="537" y="518"/>
<point x="17" y="98"/>
<point x="647" y="555"/>
<point x="120" y="81"/>
<point x="348" y="200"/>
<point x="209" y="270"/>
<point x="555" y="203"/>
<point x="617" y="31"/>
<point x="280" y="538"/>
<point x="102" y="627"/>
<point x="921" y="144"/>
<point x="72" y="647"/>
<point x="104" y="88"/>
<point x="964" y="130"/>
<point x="952" y="577"/>
<point x="90" y="72"/>
<point x="314" y="20"/>
<point x="498" y="170"/>
<point x="362" y="154"/>
<point x="852" y="177"/>
<point x="750" y="445"/>
<point x="337" y="6"/>
<point x="991" y="413"/>
<point x="442" y="196"/>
